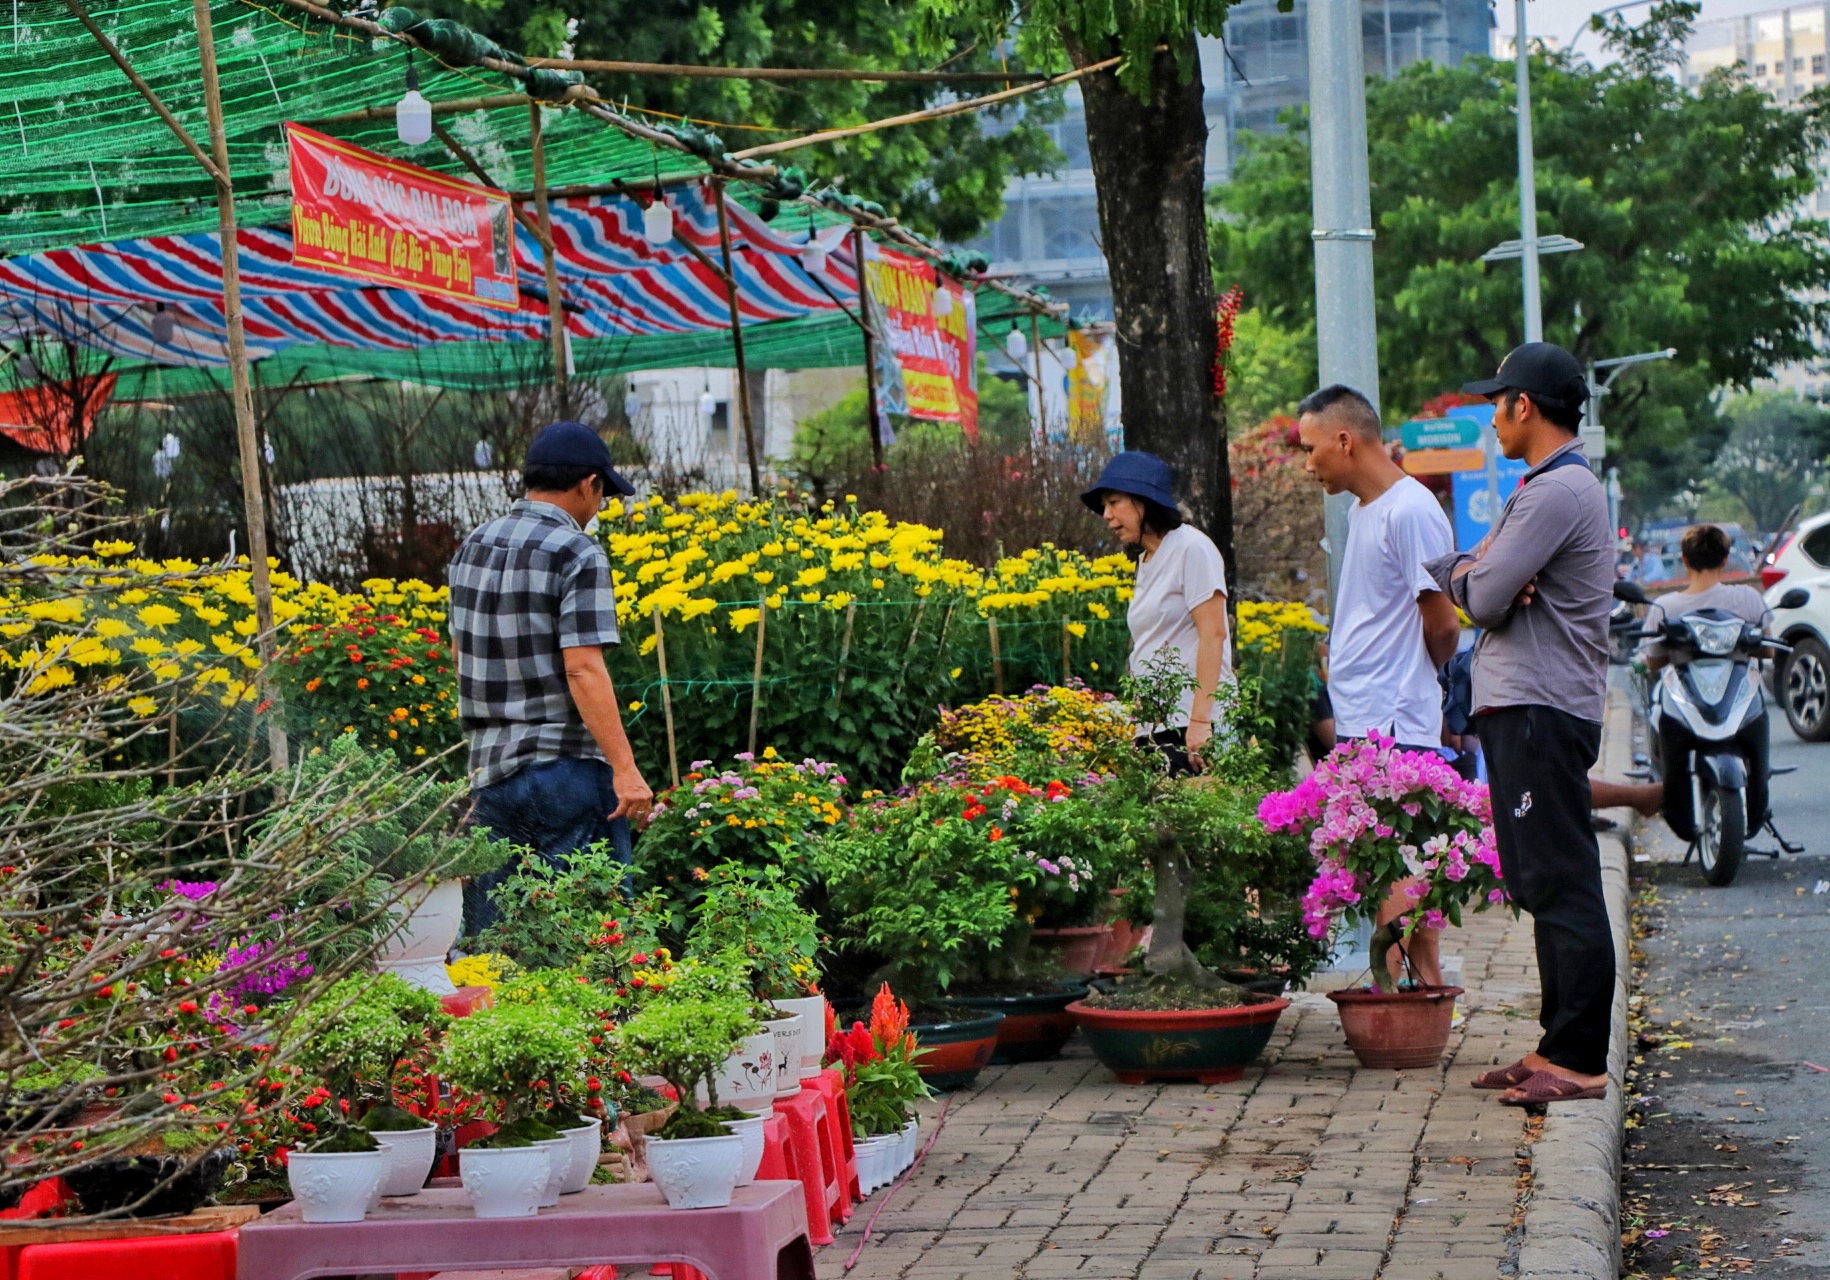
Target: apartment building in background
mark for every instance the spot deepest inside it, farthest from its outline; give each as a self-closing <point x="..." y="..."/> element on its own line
<point x="1049" y="233"/>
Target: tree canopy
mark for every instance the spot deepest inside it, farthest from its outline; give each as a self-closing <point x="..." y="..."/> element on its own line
<point x="942" y="177"/>
<point x="1688" y="204"/>
<point x="1774" y="454"/>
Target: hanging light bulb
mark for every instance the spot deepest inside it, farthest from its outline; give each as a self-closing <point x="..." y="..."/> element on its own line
<point x="813" y="259"/>
<point x="163" y="324"/>
<point x="413" y="114"/>
<point x="658" y="222"/>
<point x="632" y="404"/>
<point x="1067" y="355"/>
<point x="943" y="299"/>
<point x="1016" y="346"/>
<point x="171" y="446"/>
<point x="483" y="455"/>
<point x="708" y="404"/>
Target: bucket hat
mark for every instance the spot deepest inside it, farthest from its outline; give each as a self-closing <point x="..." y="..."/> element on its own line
<point x="1142" y="475"/>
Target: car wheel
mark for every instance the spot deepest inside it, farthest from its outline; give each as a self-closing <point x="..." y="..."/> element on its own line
<point x="1805" y="691"/>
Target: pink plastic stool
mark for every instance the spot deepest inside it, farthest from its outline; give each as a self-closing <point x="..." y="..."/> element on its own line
<point x="831" y="1083"/>
<point x="210" y="1256"/>
<point x="777" y="1158"/>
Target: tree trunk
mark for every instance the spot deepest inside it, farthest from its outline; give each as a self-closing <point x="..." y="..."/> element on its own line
<point x="1149" y="158"/>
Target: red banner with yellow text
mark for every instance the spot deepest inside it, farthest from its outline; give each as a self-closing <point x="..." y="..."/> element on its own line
<point x="903" y="287"/>
<point x="356" y="213"/>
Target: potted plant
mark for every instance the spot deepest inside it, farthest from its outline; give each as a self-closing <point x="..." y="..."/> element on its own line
<point x="1179" y="1020"/>
<point x="1376" y="816"/>
<point x="882" y="1084"/>
<point x="150" y="1174"/>
<point x="755" y="914"/>
<point x="509" y="1054"/>
<point x="574" y="1105"/>
<point x="410" y="844"/>
<point x="685" y="1035"/>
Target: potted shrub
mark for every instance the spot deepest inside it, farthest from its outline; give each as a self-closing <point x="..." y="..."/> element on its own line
<point x="1179" y="1020"/>
<point x="882" y="1085"/>
<point x="1376" y="816"/>
<point x="354" y="1037"/>
<point x="150" y="1174"/>
<point x="685" y="1035"/>
<point x="1049" y="732"/>
<point x="509" y="1055"/>
<point x="754" y="914"/>
<point x="574" y="1104"/>
<point x="411" y="843"/>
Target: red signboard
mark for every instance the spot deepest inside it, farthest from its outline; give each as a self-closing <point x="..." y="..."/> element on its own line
<point x="356" y="213"/>
<point x="904" y="286"/>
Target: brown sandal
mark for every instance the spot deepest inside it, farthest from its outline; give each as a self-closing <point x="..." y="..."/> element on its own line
<point x="1545" y="1086"/>
<point x="1504" y="1077"/>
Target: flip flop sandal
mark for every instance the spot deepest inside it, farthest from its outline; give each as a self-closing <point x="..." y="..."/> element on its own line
<point x="1505" y="1077"/>
<point x="1544" y="1086"/>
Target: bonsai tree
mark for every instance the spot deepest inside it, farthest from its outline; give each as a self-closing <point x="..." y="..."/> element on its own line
<point x="571" y="1097"/>
<point x="354" y="1037"/>
<point x="686" y="1033"/>
<point x="754" y="914"/>
<point x="511" y="1054"/>
<point x="553" y="917"/>
<point x="1374" y="816"/>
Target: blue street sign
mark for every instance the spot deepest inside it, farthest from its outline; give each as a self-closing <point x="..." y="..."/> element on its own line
<point x="1441" y="433"/>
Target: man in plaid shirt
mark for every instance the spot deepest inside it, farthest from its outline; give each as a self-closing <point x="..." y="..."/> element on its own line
<point x="532" y="605"/>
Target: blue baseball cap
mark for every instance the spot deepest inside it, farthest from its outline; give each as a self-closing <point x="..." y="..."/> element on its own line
<point x="1142" y="475"/>
<point x="573" y="444"/>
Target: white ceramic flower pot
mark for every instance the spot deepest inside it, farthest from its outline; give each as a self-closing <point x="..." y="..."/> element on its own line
<point x="335" y="1186"/>
<point x="504" y="1182"/>
<point x="790" y="1035"/>
<point x="813" y="1031"/>
<point x="586" y="1143"/>
<point x="417" y="950"/>
<point x="695" y="1173"/>
<point x="747" y="1079"/>
<point x="559" y="1164"/>
<point x="410" y="1154"/>
<point x="873" y="1155"/>
<point x="750" y="1130"/>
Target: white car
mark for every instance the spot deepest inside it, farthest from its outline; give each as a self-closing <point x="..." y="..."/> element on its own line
<point x="1796" y="578"/>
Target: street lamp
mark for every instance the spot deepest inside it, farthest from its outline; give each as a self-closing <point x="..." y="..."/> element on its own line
<point x="1594" y="439"/>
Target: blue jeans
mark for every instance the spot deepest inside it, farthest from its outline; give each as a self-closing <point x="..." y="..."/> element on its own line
<point x="555" y="808"/>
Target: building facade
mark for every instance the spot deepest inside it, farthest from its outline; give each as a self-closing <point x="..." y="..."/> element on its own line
<point x="1050" y="229"/>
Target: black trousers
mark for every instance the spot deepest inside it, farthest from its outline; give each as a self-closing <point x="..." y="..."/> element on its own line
<point x="1538" y="761"/>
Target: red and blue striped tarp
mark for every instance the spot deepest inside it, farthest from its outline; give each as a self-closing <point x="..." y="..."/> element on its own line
<point x="614" y="284"/>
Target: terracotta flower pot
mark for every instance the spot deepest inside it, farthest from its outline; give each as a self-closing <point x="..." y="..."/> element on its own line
<point x="1205" y="1045"/>
<point x="1077" y="950"/>
<point x="951" y="1054"/>
<point x="1035" y="1026"/>
<point x="1396" y="1029"/>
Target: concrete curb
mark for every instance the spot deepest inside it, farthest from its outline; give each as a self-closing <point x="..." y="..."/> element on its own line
<point x="1572" y="1221"/>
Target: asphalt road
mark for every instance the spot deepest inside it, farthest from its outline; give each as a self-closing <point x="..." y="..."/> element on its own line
<point x="1731" y="1156"/>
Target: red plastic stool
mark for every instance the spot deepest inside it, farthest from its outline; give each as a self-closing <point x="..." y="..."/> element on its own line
<point x="778" y="1157"/>
<point x="831" y="1083"/>
<point x="817" y="1161"/>
<point x="210" y="1256"/>
<point x="467" y="1000"/>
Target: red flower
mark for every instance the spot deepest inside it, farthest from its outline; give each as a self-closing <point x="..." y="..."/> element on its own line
<point x="187" y="1006"/>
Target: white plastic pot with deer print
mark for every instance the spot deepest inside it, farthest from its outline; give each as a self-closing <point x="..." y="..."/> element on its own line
<point x="748" y="1078"/>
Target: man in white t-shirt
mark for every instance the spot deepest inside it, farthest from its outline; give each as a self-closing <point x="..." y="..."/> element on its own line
<point x="1393" y="629"/>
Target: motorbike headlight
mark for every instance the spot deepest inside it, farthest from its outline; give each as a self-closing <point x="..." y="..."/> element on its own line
<point x="1715" y="638"/>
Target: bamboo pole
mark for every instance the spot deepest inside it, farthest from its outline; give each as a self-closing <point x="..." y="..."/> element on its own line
<point x="997" y="659"/>
<point x="743" y="373"/>
<point x="667" y="699"/>
<point x="787" y="73"/>
<point x="1067" y="651"/>
<point x="1035" y="353"/>
<point x="146" y="90"/>
<point x="481" y="174"/>
<point x="870" y="360"/>
<point x="254" y="504"/>
<point x="762" y="623"/>
<point x="838" y="680"/>
<point x="929" y="113"/>
<point x="549" y="253"/>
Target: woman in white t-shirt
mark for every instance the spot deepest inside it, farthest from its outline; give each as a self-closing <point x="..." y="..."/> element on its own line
<point x="1179" y="602"/>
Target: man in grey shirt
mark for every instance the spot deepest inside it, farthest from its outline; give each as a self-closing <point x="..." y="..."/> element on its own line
<point x="1540" y="586"/>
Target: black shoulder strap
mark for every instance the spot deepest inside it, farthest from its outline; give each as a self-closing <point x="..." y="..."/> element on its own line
<point x="1568" y="458"/>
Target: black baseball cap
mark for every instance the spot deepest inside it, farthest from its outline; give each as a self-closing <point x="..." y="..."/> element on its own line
<point x="1543" y="371"/>
<point x="573" y="444"/>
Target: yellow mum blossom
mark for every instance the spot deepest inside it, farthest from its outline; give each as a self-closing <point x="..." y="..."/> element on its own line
<point x="142" y="706"/>
<point x="742" y="618"/>
<point x="112" y="629"/>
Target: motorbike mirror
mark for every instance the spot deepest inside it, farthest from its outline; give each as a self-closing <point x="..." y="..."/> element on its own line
<point x="1630" y="591"/>
<point x="1796" y="598"/>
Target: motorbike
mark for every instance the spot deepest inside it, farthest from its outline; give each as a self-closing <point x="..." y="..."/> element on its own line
<point x="1708" y="734"/>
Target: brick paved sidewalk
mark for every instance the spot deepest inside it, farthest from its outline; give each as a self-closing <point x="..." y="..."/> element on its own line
<point x="1310" y="1168"/>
